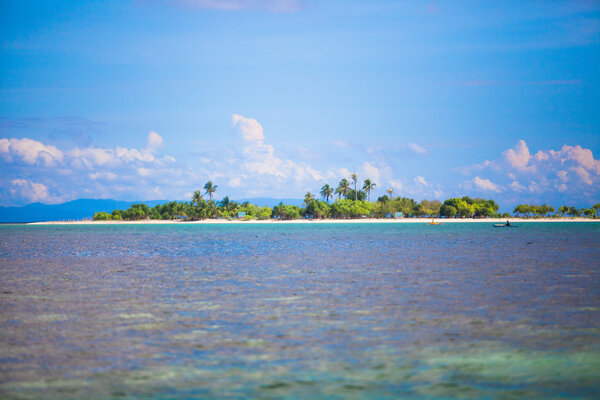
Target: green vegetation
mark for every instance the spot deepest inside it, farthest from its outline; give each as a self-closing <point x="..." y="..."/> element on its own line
<point x="467" y="207"/>
<point x="350" y="203"/>
<point x="529" y="210"/>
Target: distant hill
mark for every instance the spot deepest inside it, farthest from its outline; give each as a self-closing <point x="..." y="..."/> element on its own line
<point x="76" y="209"/>
<point x="85" y="208"/>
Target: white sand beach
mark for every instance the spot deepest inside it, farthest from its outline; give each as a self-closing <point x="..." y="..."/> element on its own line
<point x="325" y="221"/>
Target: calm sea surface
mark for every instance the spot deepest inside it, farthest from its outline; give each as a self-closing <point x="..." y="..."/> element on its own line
<point x="300" y="311"/>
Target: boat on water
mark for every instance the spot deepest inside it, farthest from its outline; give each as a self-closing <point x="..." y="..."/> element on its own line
<point x="434" y="223"/>
<point x="506" y="225"/>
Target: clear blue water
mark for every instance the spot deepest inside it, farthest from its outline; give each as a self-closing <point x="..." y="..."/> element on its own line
<point x="300" y="311"/>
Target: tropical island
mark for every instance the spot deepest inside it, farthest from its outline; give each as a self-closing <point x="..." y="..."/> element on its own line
<point x="352" y="202"/>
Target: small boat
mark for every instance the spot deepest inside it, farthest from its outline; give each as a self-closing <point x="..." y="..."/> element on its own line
<point x="503" y="226"/>
<point x="434" y="223"/>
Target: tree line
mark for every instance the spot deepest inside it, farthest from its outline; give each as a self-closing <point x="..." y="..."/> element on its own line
<point x="530" y="210"/>
<point x="352" y="202"/>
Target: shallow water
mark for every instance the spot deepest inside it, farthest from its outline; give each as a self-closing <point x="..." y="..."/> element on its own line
<point x="300" y="311"/>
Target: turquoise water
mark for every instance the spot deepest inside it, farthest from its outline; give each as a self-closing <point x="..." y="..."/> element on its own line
<point x="300" y="311"/>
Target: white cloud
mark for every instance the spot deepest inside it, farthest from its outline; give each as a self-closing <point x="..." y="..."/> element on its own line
<point x="421" y="180"/>
<point x="30" y="151"/>
<point x="562" y="175"/>
<point x="91" y="157"/>
<point x="259" y="158"/>
<point x="84" y="171"/>
<point x="519" y="157"/>
<point x="546" y="172"/>
<point x="583" y="174"/>
<point x="396" y="184"/>
<point x="417" y="149"/>
<point x="250" y="129"/>
<point x="154" y="141"/>
<point x="516" y="186"/>
<point x="485" y="184"/>
<point x="103" y="175"/>
<point x="144" y="171"/>
<point x="344" y="172"/>
<point x="541" y="156"/>
<point x="235" y="182"/>
<point x="372" y="172"/>
<point x="578" y="156"/>
<point x="30" y="191"/>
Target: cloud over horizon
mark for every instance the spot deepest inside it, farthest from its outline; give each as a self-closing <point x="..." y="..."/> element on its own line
<point x="253" y="167"/>
<point x="571" y="169"/>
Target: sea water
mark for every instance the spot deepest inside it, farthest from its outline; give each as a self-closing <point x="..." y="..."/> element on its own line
<point x="300" y="311"/>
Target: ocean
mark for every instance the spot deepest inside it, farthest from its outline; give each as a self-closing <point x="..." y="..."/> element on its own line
<point x="239" y="311"/>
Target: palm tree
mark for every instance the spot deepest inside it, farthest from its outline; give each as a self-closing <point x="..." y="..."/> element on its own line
<point x="308" y="198"/>
<point x="390" y="191"/>
<point x="343" y="188"/>
<point x="326" y="192"/>
<point x="225" y="202"/>
<point x="354" y="180"/>
<point x="197" y="197"/>
<point x="210" y="189"/>
<point x="367" y="187"/>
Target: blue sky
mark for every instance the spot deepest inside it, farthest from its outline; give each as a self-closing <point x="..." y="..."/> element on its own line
<point x="140" y="100"/>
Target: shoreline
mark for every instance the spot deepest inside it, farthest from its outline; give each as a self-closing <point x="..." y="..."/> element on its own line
<point x="319" y="221"/>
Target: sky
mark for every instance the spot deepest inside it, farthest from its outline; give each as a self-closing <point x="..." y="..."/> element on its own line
<point x="141" y="99"/>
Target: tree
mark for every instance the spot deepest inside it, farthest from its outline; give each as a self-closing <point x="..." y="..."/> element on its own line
<point x="354" y="180"/>
<point x="431" y="208"/>
<point x="368" y="187"/>
<point x="356" y="196"/>
<point x="596" y="208"/>
<point x="464" y="207"/>
<point x="524" y="209"/>
<point x="102" y="216"/>
<point x="343" y="188"/>
<point x="317" y="209"/>
<point x="326" y="192"/>
<point x="286" y="212"/>
<point x="563" y="210"/>
<point x="197" y="197"/>
<point x="136" y="212"/>
<point x="308" y="198"/>
<point x="210" y="189"/>
<point x="347" y="208"/>
<point x="389" y="192"/>
<point x="447" y="210"/>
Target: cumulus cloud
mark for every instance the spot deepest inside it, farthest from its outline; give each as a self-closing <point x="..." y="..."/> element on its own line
<point x="154" y="141"/>
<point x="372" y="172"/>
<point x="485" y="184"/>
<point x="249" y="128"/>
<point x="545" y="172"/>
<point x="83" y="171"/>
<point x="260" y="159"/>
<point x="29" y="191"/>
<point x="91" y="157"/>
<point x="30" y="151"/>
<point x="519" y="157"/>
